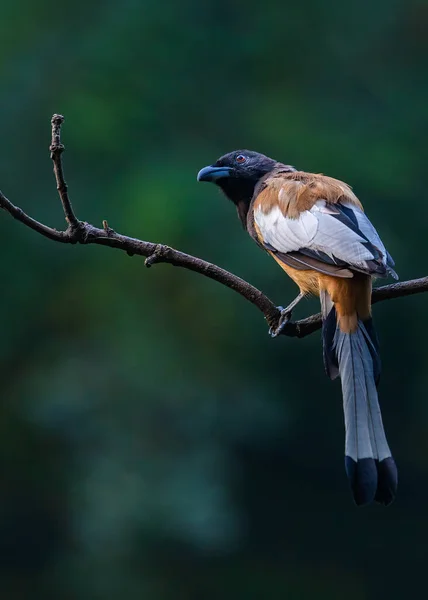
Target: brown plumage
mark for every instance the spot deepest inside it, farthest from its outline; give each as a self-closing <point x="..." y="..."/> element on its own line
<point x="294" y="193"/>
<point x="298" y="191"/>
<point x="316" y="230"/>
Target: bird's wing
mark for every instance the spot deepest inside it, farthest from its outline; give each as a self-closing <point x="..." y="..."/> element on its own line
<point x="315" y="222"/>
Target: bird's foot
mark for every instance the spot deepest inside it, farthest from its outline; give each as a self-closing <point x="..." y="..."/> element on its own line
<point x="284" y="319"/>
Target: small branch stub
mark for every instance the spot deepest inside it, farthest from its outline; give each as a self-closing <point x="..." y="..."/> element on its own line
<point x="156" y="256"/>
<point x="107" y="228"/>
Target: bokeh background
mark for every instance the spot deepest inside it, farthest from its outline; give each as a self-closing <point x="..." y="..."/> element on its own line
<point x="155" y="442"/>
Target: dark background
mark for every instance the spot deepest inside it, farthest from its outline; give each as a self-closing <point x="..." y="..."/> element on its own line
<point x="155" y="442"/>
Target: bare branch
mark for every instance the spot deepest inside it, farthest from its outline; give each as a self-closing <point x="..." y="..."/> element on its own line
<point x="85" y="233"/>
<point x="56" y="148"/>
<point x="19" y="214"/>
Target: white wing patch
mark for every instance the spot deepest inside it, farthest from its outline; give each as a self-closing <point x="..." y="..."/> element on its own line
<point x="319" y="230"/>
<point x="286" y="235"/>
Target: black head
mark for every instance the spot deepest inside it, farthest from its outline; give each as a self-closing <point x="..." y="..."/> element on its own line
<point x="237" y="173"/>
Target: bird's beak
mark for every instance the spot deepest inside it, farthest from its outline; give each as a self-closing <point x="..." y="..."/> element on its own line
<point x="213" y="173"/>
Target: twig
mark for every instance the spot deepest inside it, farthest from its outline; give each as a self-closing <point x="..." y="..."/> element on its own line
<point x="56" y="148"/>
<point x="85" y="233"/>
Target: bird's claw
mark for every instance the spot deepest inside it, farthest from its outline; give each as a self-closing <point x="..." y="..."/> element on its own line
<point x="282" y="323"/>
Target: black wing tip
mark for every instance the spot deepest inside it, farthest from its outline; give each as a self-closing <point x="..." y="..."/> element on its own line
<point x="363" y="478"/>
<point x="387" y="481"/>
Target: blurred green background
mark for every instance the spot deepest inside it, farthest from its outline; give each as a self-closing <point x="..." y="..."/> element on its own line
<point x="155" y="442"/>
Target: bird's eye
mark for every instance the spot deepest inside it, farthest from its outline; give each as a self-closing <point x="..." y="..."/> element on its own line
<point x="241" y="159"/>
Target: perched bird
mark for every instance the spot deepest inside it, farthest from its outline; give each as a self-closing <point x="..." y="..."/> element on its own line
<point x="315" y="228"/>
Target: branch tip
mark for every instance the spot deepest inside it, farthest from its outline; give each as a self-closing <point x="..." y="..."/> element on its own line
<point x="57" y="120"/>
<point x="56" y="146"/>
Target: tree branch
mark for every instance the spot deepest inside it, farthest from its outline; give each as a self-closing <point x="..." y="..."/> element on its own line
<point x="85" y="233"/>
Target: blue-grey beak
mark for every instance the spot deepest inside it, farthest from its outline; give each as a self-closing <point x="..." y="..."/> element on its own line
<point x="213" y="173"/>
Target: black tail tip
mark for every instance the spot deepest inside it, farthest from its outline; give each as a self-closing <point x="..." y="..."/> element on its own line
<point x="362" y="475"/>
<point x="387" y="481"/>
<point x="372" y="480"/>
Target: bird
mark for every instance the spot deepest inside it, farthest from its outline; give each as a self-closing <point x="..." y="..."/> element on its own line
<point x="315" y="228"/>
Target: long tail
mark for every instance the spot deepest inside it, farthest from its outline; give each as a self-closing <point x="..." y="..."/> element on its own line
<point x="355" y="358"/>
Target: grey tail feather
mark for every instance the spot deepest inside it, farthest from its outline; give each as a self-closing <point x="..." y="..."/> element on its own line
<point x="355" y="358"/>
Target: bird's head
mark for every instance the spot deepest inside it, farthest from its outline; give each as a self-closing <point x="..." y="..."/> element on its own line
<point x="237" y="173"/>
